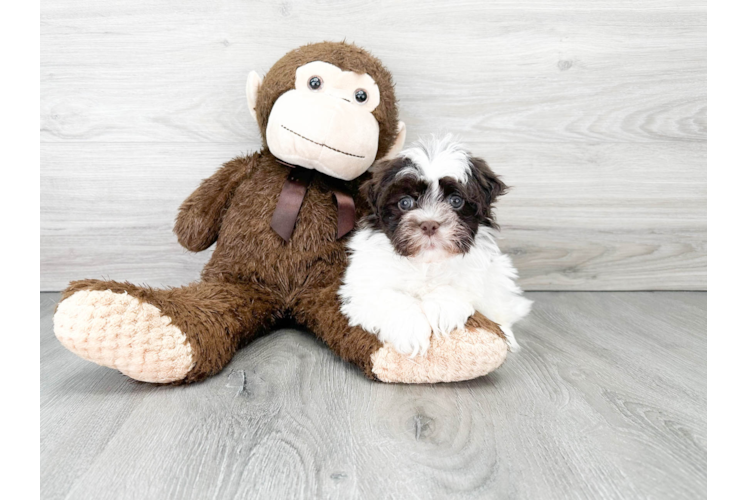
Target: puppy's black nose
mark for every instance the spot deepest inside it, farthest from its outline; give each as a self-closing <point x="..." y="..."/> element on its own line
<point x="429" y="227"/>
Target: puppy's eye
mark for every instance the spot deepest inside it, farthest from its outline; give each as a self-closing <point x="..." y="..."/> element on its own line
<point x="361" y="96"/>
<point x="456" y="201"/>
<point x="406" y="203"/>
<point x="315" y="83"/>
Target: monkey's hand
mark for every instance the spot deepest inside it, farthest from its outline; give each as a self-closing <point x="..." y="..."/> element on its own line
<point x="201" y="214"/>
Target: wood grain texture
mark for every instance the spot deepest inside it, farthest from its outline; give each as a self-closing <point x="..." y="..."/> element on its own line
<point x="579" y="216"/>
<point x="607" y="399"/>
<point x="594" y="110"/>
<point x="512" y="71"/>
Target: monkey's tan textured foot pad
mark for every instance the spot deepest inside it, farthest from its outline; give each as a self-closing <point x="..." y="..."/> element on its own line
<point x="461" y="355"/>
<point x="118" y="331"/>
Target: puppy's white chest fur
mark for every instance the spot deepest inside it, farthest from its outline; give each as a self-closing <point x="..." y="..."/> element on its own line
<point x="404" y="299"/>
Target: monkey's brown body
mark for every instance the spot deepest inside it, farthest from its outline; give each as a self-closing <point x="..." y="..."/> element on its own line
<point x="253" y="280"/>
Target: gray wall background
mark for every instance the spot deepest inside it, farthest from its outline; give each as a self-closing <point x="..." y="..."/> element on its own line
<point x="594" y="110"/>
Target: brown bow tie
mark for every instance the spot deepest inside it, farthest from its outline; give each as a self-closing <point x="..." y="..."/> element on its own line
<point x="292" y="195"/>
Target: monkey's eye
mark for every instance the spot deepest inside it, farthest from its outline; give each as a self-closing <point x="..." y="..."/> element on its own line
<point x="456" y="201"/>
<point x="406" y="203"/>
<point x="361" y="96"/>
<point x="315" y="83"/>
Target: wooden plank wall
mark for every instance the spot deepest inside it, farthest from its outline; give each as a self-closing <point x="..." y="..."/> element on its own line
<point x="594" y="110"/>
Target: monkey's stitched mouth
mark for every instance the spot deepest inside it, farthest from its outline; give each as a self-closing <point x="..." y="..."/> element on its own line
<point x="320" y="144"/>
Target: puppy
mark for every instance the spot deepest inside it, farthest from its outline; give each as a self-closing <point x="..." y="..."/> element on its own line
<point x="426" y="258"/>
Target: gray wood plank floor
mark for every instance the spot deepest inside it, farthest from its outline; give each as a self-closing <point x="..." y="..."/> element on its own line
<point x="606" y="400"/>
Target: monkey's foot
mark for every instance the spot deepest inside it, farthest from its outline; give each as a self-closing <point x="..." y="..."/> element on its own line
<point x="121" y="332"/>
<point x="462" y="355"/>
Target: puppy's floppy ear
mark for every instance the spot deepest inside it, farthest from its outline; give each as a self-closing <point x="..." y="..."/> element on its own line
<point x="368" y="190"/>
<point x="372" y="188"/>
<point x="490" y="183"/>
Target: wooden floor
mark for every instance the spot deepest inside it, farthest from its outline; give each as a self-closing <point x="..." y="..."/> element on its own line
<point x="607" y="400"/>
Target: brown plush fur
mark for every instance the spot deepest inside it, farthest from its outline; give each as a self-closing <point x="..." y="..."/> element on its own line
<point x="345" y="56"/>
<point x="478" y="321"/>
<point x="254" y="277"/>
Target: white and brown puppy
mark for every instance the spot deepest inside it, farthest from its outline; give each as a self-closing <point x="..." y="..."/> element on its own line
<point x="427" y="256"/>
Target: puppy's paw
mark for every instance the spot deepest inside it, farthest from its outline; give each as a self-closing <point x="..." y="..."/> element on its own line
<point x="409" y="333"/>
<point x="445" y="316"/>
<point x="510" y="340"/>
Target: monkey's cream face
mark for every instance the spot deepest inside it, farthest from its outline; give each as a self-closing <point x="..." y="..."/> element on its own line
<point x="326" y="122"/>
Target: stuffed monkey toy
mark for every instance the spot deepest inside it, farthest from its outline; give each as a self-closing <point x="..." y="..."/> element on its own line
<point x="280" y="219"/>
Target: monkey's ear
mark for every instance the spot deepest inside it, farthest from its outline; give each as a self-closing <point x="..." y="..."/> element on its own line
<point x="253" y="88"/>
<point x="397" y="146"/>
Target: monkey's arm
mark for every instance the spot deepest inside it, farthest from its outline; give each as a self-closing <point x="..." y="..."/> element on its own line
<point x="200" y="215"/>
